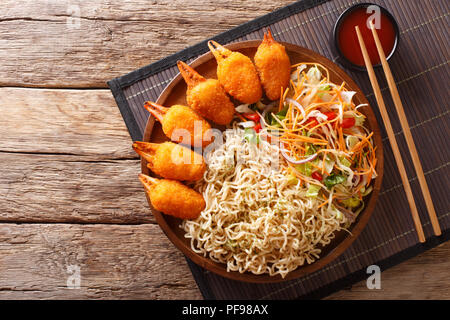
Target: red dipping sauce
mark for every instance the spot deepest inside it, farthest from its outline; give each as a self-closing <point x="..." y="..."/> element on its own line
<point x="348" y="41"/>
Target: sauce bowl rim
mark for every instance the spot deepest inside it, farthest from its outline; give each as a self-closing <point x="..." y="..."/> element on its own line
<point x="343" y="59"/>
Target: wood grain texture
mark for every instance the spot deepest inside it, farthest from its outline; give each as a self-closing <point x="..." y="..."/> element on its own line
<point x="65" y="188"/>
<point x="138" y="262"/>
<point x="78" y="122"/>
<point x="75" y="44"/>
<point x="116" y="262"/>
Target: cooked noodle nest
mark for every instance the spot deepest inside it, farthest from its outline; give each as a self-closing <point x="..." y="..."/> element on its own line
<point x="256" y="219"/>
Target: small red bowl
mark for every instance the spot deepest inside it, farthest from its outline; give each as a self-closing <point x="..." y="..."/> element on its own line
<point x="335" y="45"/>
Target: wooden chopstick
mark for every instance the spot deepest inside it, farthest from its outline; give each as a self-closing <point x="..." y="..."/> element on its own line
<point x="391" y="136"/>
<point x="407" y="132"/>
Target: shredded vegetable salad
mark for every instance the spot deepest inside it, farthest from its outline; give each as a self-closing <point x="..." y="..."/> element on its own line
<point x="322" y="137"/>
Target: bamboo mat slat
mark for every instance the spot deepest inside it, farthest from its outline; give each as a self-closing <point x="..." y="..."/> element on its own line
<point x="421" y="68"/>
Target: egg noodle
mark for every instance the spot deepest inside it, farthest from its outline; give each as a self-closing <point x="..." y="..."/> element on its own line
<point x="255" y="218"/>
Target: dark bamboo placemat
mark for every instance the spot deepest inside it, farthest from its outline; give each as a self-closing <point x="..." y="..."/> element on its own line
<point x="422" y="72"/>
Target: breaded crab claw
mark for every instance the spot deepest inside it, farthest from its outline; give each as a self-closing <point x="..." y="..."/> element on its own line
<point x="206" y="96"/>
<point x="237" y="74"/>
<point x="172" y="197"/>
<point x="273" y="65"/>
<point x="182" y="124"/>
<point x="171" y="161"/>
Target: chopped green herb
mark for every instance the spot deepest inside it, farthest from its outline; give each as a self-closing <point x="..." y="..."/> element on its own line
<point x="333" y="180"/>
<point x="283" y="111"/>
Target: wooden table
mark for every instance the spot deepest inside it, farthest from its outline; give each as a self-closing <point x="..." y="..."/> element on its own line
<point x="70" y="196"/>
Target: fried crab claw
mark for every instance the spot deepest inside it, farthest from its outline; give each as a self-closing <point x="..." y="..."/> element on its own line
<point x="237" y="74"/>
<point x="189" y="75"/>
<point x="172" y="161"/>
<point x="158" y="111"/>
<point x="148" y="181"/>
<point x="273" y="65"/>
<point x="219" y="51"/>
<point x="268" y="38"/>
<point x="182" y="124"/>
<point x="172" y="197"/>
<point x="206" y="96"/>
<point x="146" y="150"/>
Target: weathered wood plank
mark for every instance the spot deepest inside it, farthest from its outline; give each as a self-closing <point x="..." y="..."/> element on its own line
<point x="138" y="262"/>
<point x="422" y="277"/>
<point x="80" y="122"/>
<point x="126" y="262"/>
<point x="64" y="188"/>
<point x="79" y="44"/>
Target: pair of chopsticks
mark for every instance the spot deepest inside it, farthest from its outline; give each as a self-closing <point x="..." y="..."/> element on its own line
<point x="406" y="131"/>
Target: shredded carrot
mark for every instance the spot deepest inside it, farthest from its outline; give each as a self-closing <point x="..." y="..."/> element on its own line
<point x="313" y="165"/>
<point x="323" y="162"/>
<point x="294" y="86"/>
<point x="360" y="144"/>
<point x="341" y="139"/>
<point x="280" y="106"/>
<point x="285" y="93"/>
<point x="372" y="170"/>
<point x="362" y="173"/>
<point x="324" y="137"/>
<point x="325" y="202"/>
<point x="311" y="140"/>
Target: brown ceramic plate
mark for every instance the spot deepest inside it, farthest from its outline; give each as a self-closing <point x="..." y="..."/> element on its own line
<point x="175" y="93"/>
